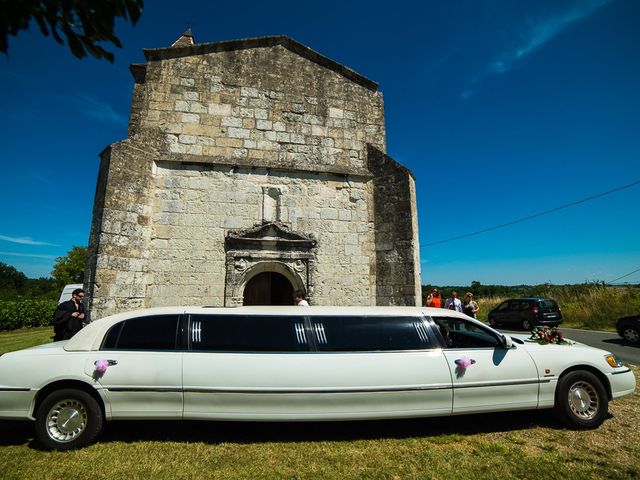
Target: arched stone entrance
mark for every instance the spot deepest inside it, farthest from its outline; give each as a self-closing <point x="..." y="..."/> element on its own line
<point x="266" y="264"/>
<point x="268" y="288"/>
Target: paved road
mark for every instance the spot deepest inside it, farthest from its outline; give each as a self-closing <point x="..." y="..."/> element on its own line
<point x="609" y="341"/>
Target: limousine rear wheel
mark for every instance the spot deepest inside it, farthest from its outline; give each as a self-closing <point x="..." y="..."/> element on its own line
<point x="68" y="419"/>
<point x="581" y="400"/>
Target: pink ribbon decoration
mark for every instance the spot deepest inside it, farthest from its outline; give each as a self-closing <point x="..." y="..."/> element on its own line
<point x="101" y="366"/>
<point x="464" y="362"/>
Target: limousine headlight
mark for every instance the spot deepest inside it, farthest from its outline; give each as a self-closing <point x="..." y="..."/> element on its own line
<point x="613" y="361"/>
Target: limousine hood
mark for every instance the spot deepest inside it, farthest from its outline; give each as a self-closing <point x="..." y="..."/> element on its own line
<point x="556" y="356"/>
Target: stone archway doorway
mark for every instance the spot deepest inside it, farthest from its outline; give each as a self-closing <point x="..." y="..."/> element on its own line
<point x="268" y="288"/>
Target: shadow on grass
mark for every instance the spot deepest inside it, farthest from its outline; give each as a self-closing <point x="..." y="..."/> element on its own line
<point x="18" y="433"/>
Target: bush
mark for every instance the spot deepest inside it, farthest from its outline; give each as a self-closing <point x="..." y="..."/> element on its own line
<point x="596" y="307"/>
<point x="26" y="313"/>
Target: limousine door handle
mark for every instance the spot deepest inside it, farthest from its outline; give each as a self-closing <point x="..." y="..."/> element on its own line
<point x="464" y="362"/>
<point x="110" y="363"/>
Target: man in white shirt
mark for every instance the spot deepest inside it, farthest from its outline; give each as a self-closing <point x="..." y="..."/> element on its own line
<point x="299" y="300"/>
<point x="454" y="302"/>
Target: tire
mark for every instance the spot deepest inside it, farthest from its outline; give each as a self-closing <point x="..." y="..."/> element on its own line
<point x="68" y="419"/>
<point x="493" y="322"/>
<point x="631" y="335"/>
<point x="581" y="400"/>
<point x="526" y="324"/>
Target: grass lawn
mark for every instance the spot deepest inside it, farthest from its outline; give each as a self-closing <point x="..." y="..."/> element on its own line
<point x="24" y="338"/>
<point x="529" y="445"/>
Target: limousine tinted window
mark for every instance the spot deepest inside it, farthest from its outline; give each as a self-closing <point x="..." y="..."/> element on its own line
<point x="144" y="333"/>
<point x="243" y="333"/>
<point x="362" y="333"/>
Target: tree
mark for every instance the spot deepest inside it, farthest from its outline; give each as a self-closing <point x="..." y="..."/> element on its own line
<point x="12" y="282"/>
<point x="84" y="23"/>
<point x="70" y="268"/>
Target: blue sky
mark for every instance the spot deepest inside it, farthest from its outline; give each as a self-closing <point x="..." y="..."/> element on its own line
<point x="501" y="108"/>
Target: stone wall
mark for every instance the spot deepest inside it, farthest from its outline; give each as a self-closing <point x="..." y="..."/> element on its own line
<point x="396" y="232"/>
<point x="194" y="207"/>
<point x="266" y="105"/>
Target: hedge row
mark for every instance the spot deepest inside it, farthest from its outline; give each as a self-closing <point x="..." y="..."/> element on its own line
<point x="26" y="313"/>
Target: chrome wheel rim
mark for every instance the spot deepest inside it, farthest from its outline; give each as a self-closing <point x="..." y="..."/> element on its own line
<point x="631" y="335"/>
<point x="66" y="420"/>
<point x="526" y="325"/>
<point x="584" y="401"/>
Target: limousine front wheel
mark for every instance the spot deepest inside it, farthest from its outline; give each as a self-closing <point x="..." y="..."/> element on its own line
<point x="581" y="400"/>
<point x="68" y="419"/>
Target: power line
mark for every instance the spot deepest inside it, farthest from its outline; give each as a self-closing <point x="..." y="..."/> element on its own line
<point x="626" y="275"/>
<point x="484" y="230"/>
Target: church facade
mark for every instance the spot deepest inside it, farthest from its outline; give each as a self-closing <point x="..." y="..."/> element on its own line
<point x="252" y="168"/>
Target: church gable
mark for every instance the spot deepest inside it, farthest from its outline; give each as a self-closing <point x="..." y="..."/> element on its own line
<point x="190" y="49"/>
<point x="268" y="102"/>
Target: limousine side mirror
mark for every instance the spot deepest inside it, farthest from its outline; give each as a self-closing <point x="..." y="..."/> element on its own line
<point x="506" y="341"/>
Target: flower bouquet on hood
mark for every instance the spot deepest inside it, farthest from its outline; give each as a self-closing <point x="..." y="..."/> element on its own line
<point x="545" y="335"/>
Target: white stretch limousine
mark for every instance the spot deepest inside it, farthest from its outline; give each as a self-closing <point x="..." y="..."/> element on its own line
<point x="293" y="363"/>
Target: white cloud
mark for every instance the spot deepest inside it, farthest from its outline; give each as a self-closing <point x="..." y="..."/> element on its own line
<point x="535" y="35"/>
<point x="32" y="255"/>
<point x="542" y="31"/>
<point x="99" y="110"/>
<point x="25" y="241"/>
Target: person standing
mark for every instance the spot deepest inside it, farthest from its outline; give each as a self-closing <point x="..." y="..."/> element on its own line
<point x="69" y="316"/>
<point x="469" y="306"/>
<point x="299" y="300"/>
<point x="453" y="303"/>
<point x="433" y="299"/>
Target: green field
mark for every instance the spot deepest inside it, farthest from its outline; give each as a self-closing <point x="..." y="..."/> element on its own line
<point x="589" y="307"/>
<point x="25" y="337"/>
<point x="528" y="445"/>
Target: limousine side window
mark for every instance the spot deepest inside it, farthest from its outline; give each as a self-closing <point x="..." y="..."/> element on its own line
<point x="244" y="333"/>
<point x="363" y="333"/>
<point x="143" y="333"/>
<point x="459" y="333"/>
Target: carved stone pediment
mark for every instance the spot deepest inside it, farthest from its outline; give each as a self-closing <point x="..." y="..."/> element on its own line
<point x="269" y="235"/>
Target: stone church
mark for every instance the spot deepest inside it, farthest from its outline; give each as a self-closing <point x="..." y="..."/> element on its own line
<point x="252" y="168"/>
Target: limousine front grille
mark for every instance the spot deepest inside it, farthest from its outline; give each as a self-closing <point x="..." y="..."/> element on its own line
<point x="300" y="333"/>
<point x="320" y="335"/>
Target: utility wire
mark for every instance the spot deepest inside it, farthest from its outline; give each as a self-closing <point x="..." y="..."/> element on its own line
<point x="532" y="216"/>
<point x="623" y="276"/>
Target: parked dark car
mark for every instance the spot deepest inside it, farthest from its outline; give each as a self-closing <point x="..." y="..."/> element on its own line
<point x="526" y="313"/>
<point x="629" y="328"/>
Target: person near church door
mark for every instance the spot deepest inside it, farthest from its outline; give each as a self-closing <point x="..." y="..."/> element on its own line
<point x="433" y="299"/>
<point x="453" y="303"/>
<point x="299" y="299"/>
<point x="69" y="316"/>
<point x="469" y="305"/>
